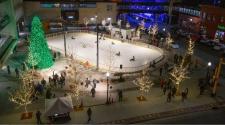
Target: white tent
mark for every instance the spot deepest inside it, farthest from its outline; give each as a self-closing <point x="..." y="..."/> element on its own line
<point x="59" y="105"/>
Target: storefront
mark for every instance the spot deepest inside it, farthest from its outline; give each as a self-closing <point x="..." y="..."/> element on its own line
<point x="213" y="20"/>
<point x="220" y="33"/>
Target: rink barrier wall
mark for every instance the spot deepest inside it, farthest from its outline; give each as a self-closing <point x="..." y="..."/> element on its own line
<point x="125" y="70"/>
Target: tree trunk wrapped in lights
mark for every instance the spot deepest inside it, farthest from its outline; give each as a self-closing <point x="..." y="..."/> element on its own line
<point x="189" y="52"/>
<point x="144" y="84"/>
<point x="74" y="77"/>
<point x="38" y="48"/>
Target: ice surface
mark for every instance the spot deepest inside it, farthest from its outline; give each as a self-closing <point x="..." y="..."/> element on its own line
<point x="83" y="47"/>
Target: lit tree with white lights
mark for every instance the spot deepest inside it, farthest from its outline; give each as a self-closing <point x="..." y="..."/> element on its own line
<point x="86" y="21"/>
<point x="191" y="46"/>
<point x="74" y="77"/>
<point x="179" y="74"/>
<point x="189" y="52"/>
<point x="153" y="31"/>
<point x="23" y="95"/>
<point x="144" y="84"/>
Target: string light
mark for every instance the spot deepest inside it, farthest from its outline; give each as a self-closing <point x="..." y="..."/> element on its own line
<point x="23" y="95"/>
<point x="144" y="83"/>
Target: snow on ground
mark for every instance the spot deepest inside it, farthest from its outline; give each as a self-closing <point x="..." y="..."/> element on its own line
<point x="83" y="47"/>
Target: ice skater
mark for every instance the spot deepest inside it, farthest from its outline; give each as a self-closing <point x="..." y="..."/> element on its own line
<point x="72" y="37"/>
<point x="133" y="59"/>
<point x="118" y="54"/>
<point x="89" y="112"/>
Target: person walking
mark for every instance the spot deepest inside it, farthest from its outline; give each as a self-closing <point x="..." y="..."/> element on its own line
<point x="17" y="72"/>
<point x="89" y="113"/>
<point x="164" y="90"/>
<point x="24" y="66"/>
<point x="87" y="82"/>
<point x="162" y="83"/>
<point x="183" y="96"/>
<point x="160" y="71"/>
<point x="201" y="89"/>
<point x="38" y="117"/>
<point x="43" y="82"/>
<point x="93" y="92"/>
<point x="169" y="97"/>
<point x="8" y="69"/>
<point x="174" y="90"/>
<point x="120" y="94"/>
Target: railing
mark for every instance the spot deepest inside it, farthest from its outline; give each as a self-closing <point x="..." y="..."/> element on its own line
<point x="104" y="67"/>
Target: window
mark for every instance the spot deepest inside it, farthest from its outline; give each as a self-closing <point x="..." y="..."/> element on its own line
<point x="109" y="7"/>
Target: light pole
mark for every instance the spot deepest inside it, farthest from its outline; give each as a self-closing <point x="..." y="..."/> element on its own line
<point x="97" y="67"/>
<point x="64" y="37"/>
<point x="208" y="68"/>
<point x="107" y="97"/>
<point x="97" y="42"/>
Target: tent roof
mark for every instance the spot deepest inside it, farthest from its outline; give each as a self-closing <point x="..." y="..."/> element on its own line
<point x="59" y="105"/>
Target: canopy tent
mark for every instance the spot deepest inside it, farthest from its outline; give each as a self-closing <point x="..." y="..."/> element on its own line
<point x="58" y="106"/>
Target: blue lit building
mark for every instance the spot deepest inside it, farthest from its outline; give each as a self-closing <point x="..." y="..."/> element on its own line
<point x="151" y="11"/>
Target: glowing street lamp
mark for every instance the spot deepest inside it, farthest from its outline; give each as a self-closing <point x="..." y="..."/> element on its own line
<point x="209" y="64"/>
<point x="208" y="70"/>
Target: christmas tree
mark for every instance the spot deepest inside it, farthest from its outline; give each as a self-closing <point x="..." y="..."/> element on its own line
<point x="38" y="46"/>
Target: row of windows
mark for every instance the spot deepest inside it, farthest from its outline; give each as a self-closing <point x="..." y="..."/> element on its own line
<point x="137" y="7"/>
<point x="188" y="11"/>
<point x="208" y="17"/>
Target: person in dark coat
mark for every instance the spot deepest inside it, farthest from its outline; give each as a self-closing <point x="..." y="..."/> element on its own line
<point x="164" y="90"/>
<point x="169" y="96"/>
<point x="17" y="72"/>
<point x="8" y="69"/>
<point x="174" y="90"/>
<point x="93" y="92"/>
<point x="160" y="71"/>
<point x="43" y="82"/>
<point x="38" y="117"/>
<point x="89" y="113"/>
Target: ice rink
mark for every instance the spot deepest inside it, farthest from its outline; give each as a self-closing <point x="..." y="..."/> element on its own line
<point x="83" y="47"/>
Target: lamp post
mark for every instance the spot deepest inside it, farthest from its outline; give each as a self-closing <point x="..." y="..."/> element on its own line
<point x="208" y="70"/>
<point x="97" y="42"/>
<point x="107" y="97"/>
<point x="64" y="37"/>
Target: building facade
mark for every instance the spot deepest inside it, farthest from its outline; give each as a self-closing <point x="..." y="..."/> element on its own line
<point x="213" y="19"/>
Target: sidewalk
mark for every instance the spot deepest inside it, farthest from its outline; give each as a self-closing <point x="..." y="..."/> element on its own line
<point x="129" y="108"/>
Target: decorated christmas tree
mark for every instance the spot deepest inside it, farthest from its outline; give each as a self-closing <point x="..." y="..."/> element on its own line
<point x="38" y="48"/>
